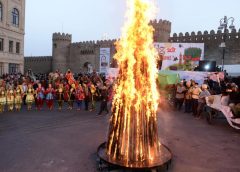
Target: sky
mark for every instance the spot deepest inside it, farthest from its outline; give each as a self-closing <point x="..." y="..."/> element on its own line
<point x="100" y="19"/>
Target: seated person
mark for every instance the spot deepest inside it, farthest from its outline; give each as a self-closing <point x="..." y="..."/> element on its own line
<point x="235" y="110"/>
<point x="225" y="98"/>
<point x="234" y="95"/>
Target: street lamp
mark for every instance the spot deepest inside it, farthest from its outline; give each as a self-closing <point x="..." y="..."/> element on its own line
<point x="224" y="25"/>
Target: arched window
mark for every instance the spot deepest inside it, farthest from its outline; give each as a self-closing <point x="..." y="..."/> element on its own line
<point x="15" y="17"/>
<point x="1" y="11"/>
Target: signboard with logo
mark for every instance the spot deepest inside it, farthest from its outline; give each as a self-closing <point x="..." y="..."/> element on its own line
<point x="104" y="60"/>
<point x="179" y="56"/>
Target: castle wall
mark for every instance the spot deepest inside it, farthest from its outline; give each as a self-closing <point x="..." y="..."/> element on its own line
<point x="42" y="64"/>
<point x="212" y="42"/>
<point x="74" y="55"/>
<point x="70" y="55"/>
<point x="80" y="53"/>
<point x="88" y="52"/>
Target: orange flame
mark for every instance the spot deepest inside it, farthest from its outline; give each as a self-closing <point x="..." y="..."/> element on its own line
<point x="133" y="127"/>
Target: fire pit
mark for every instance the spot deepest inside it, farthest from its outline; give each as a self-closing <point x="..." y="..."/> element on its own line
<point x="159" y="164"/>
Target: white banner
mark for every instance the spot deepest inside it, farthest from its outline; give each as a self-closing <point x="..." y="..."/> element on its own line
<point x="199" y="77"/>
<point x="179" y="56"/>
<point x="104" y="60"/>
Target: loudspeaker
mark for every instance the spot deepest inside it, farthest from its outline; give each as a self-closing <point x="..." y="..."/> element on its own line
<point x="207" y="66"/>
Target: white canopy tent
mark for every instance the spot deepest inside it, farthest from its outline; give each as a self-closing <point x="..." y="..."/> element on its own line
<point x="232" y="70"/>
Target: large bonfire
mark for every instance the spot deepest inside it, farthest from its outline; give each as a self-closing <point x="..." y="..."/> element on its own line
<point x="133" y="135"/>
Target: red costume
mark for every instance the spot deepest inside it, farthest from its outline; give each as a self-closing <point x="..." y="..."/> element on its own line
<point x="66" y="92"/>
<point x="39" y="97"/>
<point x="49" y="97"/>
<point x="70" y="78"/>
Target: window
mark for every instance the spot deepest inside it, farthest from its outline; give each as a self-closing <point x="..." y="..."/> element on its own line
<point x="1" y="11"/>
<point x="11" y="46"/>
<point x="1" y="44"/>
<point x="13" y="68"/>
<point x="15" y="17"/>
<point x="17" y="47"/>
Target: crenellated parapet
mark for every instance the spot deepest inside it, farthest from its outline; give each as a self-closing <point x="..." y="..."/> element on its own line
<point x="106" y="42"/>
<point x="37" y="59"/>
<point x="84" y="44"/>
<point x="92" y="44"/>
<point x="205" y="36"/>
<point x="61" y="37"/>
<point x="162" y="25"/>
<point x="162" y="30"/>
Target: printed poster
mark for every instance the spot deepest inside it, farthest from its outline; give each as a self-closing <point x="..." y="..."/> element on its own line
<point x="179" y="56"/>
<point x="104" y="60"/>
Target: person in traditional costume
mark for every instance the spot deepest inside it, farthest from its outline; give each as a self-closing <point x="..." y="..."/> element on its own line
<point x="93" y="95"/>
<point x="40" y="96"/>
<point x="71" y="97"/>
<point x="50" y="96"/>
<point x="24" y="92"/>
<point x="86" y="95"/>
<point x="79" y="96"/>
<point x="3" y="99"/>
<point x="18" y="98"/>
<point x="10" y="99"/>
<point x="66" y="92"/>
<point x="30" y="96"/>
<point x="69" y="77"/>
<point x="59" y="96"/>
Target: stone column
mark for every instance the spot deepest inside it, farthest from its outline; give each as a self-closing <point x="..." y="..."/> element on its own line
<point x="21" y="68"/>
<point x="5" y="67"/>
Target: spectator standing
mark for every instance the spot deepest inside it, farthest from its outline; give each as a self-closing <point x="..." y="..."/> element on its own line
<point x="195" y="91"/>
<point x="104" y="99"/>
<point x="202" y="100"/>
<point x="180" y="93"/>
<point x="188" y="98"/>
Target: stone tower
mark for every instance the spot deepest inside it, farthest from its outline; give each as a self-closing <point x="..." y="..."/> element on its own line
<point x="162" y="30"/>
<point x="60" y="51"/>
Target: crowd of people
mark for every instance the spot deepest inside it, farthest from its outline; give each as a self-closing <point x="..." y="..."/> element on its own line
<point x="34" y="91"/>
<point x="84" y="90"/>
<point x="193" y="95"/>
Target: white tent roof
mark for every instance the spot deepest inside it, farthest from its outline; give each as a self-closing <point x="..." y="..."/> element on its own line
<point x="232" y="70"/>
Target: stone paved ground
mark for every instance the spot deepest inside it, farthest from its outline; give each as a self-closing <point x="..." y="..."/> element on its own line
<point x="67" y="141"/>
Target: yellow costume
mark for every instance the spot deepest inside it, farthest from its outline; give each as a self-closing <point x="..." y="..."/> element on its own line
<point x="18" y="99"/>
<point x="10" y="99"/>
<point x="30" y="98"/>
<point x="2" y="100"/>
<point x="93" y="95"/>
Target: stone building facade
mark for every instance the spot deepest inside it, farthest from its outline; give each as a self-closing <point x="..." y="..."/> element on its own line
<point x="75" y="56"/>
<point x="12" y="30"/>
